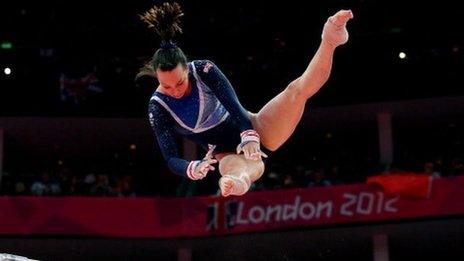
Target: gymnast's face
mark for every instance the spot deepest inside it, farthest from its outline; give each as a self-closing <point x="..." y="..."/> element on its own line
<point x="174" y="83"/>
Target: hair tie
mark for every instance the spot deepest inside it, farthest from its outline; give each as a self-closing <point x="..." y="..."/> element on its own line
<point x="168" y="45"/>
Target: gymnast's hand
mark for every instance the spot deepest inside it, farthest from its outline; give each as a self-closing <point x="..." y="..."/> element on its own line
<point x="334" y="31"/>
<point x="202" y="168"/>
<point x="250" y="145"/>
<point x="251" y="151"/>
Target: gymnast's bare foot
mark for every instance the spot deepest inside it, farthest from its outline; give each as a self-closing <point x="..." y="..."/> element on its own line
<point x="334" y="31"/>
<point x="231" y="185"/>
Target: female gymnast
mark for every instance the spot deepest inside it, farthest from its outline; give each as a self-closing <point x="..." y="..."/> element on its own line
<point x="195" y="100"/>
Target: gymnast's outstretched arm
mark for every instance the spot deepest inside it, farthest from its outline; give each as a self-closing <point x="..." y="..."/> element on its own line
<point x="162" y="126"/>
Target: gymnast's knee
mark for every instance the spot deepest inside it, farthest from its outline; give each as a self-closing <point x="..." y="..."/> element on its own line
<point x="293" y="86"/>
<point x="295" y="91"/>
<point x="237" y="165"/>
<point x="231" y="163"/>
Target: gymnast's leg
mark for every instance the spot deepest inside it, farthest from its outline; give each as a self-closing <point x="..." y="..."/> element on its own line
<point x="277" y="120"/>
<point x="238" y="173"/>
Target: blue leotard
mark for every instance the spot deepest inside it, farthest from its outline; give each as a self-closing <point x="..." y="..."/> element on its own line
<point x="209" y="114"/>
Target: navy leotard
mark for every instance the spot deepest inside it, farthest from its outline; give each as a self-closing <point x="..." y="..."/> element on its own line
<point x="209" y="114"/>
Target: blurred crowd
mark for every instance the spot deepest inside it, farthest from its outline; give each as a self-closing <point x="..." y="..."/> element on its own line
<point x="317" y="161"/>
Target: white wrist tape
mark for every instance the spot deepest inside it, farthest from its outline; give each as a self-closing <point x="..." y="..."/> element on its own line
<point x="191" y="170"/>
<point x="249" y="135"/>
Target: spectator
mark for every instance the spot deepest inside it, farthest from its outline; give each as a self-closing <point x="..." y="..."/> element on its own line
<point x="101" y="187"/>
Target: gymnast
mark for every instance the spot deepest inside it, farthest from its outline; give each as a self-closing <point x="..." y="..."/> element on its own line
<point x="195" y="100"/>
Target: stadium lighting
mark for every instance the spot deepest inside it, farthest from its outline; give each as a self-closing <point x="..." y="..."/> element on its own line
<point x="402" y="55"/>
<point x="7" y="71"/>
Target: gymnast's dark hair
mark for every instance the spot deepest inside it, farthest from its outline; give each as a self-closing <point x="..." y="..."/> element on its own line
<point x="165" y="21"/>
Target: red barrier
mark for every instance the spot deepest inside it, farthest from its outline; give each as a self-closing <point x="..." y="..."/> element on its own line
<point x="204" y="216"/>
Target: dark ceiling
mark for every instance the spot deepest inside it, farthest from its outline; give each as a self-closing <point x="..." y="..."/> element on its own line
<point x="260" y="46"/>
